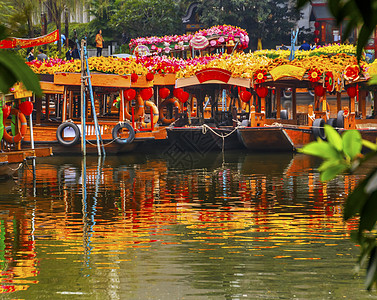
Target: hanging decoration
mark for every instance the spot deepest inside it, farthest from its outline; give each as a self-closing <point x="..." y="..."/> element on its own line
<point x="129" y="94"/>
<point x="319" y="90"/>
<point x="177" y="92"/>
<point x="134" y="77"/>
<point x="183" y="96"/>
<point x="262" y="91"/>
<point x="6" y="111"/>
<point x="149" y="77"/>
<point x="329" y="81"/>
<point x="164" y="93"/>
<point x="314" y="75"/>
<point x="26" y="108"/>
<point x="260" y="76"/>
<point x="352" y="91"/>
<point x="146" y="94"/>
<point x="245" y="96"/>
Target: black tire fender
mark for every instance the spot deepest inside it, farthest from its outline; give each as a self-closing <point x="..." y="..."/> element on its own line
<point x="318" y="129"/>
<point x="332" y="122"/>
<point x="119" y="140"/>
<point x="59" y="134"/>
<point x="340" y="119"/>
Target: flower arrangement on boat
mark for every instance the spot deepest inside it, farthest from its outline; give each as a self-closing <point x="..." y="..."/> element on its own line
<point x="217" y="36"/>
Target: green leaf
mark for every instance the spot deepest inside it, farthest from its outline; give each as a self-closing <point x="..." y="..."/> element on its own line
<point x="368" y="215"/>
<point x="364" y="34"/>
<point x="373" y="80"/>
<point x="321" y="149"/>
<point x="352" y="143"/>
<point x="333" y="137"/>
<point x="302" y="3"/>
<point x="16" y="70"/>
<point x="371" y="270"/>
<point x="370" y="145"/>
<point x="332" y="171"/>
<point x="355" y="201"/>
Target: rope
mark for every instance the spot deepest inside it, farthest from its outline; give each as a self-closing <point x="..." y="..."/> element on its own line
<point x="205" y="128"/>
<point x="95" y="145"/>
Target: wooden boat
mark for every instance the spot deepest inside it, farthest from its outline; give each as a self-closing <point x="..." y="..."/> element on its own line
<point x="61" y="105"/>
<point x="12" y="161"/>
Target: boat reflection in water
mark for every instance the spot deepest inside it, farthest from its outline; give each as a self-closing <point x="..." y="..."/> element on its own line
<point x="226" y="225"/>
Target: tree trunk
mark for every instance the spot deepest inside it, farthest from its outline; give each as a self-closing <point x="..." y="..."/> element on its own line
<point x="59" y="27"/>
<point x="66" y="28"/>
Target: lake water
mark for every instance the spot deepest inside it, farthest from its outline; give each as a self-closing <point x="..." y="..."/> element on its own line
<point x="187" y="226"/>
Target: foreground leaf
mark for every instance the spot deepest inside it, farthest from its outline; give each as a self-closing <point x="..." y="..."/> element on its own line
<point x="333" y="137"/>
<point x="352" y="143"/>
<point x="14" y="69"/>
<point x="356" y="199"/>
<point x="321" y="149"/>
<point x="332" y="171"/>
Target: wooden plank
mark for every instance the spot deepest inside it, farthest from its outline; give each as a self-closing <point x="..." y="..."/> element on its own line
<point x="142" y="83"/>
<point x="164" y="79"/>
<point x="101" y="80"/>
<point x="51" y="88"/>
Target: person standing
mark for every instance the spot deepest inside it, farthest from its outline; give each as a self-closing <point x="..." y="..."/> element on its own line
<point x="99" y="43"/>
<point x="30" y="56"/>
<point x="41" y="56"/>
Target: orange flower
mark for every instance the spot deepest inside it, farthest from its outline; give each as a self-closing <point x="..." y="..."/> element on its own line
<point x="351" y="72"/>
<point x="314" y="75"/>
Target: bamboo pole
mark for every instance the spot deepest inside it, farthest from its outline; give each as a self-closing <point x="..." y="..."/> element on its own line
<point x="83" y="108"/>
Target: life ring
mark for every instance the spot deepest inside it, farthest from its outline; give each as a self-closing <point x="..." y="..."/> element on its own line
<point x="164" y="103"/>
<point x="155" y="115"/>
<point x="60" y="130"/>
<point x="119" y="140"/>
<point x="287" y="96"/>
<point x="139" y="112"/>
<point x="21" y="129"/>
<point x="318" y="129"/>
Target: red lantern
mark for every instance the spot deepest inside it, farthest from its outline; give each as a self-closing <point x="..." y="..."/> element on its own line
<point x="129" y="94"/>
<point x="150" y="77"/>
<point x="352" y="91"/>
<point x="6" y="111"/>
<point x="316" y="24"/>
<point x="26" y="108"/>
<point x="319" y="90"/>
<point x="262" y="91"/>
<point x="177" y="92"/>
<point x="184" y="96"/>
<point x="164" y="93"/>
<point x="316" y="40"/>
<point x="134" y="77"/>
<point x="146" y="94"/>
<point x="245" y="96"/>
<point x="316" y="32"/>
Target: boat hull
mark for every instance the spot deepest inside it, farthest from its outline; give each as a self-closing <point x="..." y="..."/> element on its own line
<point x="201" y="139"/>
<point x="265" y="139"/>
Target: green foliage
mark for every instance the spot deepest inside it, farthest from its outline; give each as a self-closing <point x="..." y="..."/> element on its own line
<point x="138" y="18"/>
<point x="361" y="15"/>
<point x="270" y="20"/>
<point x="340" y="154"/>
<point x="13" y="69"/>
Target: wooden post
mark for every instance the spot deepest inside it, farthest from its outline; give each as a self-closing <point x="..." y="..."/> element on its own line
<point x="374" y="103"/>
<point x="64" y="109"/>
<point x="252" y="116"/>
<point x="70" y="104"/>
<point x="294" y="104"/>
<point x="278" y="105"/>
<point x="48" y="107"/>
<point x="38" y="107"/>
<point x="362" y="101"/>
<point x="338" y="101"/>
<point x="83" y="101"/>
<point x="311" y="115"/>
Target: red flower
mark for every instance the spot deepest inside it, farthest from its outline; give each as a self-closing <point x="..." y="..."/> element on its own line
<point x="314" y="75"/>
<point x="351" y="72"/>
<point x="260" y="76"/>
<point x="329" y="81"/>
<point x="134" y="77"/>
